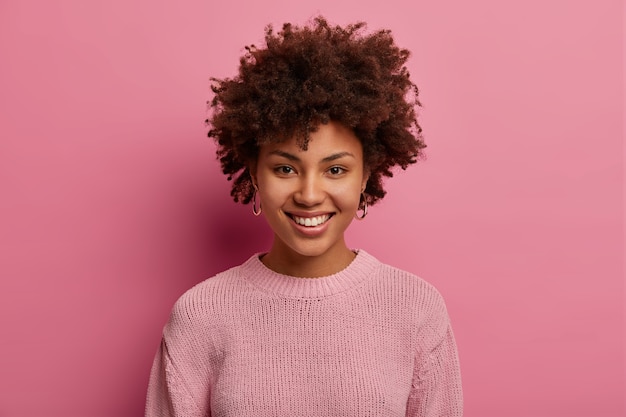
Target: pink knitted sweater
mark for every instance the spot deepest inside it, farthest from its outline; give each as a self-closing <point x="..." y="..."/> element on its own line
<point x="370" y="340"/>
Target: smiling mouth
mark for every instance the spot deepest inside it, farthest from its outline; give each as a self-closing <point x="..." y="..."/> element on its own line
<point x="310" y="221"/>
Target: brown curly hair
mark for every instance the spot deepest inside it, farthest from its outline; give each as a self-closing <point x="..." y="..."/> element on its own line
<point x="310" y="75"/>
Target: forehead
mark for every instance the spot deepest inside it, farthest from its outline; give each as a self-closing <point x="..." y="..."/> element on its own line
<point x="330" y="138"/>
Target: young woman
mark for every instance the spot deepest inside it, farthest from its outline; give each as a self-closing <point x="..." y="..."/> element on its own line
<point x="307" y="130"/>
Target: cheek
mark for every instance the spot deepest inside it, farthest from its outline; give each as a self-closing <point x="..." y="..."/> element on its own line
<point x="271" y="199"/>
<point x="273" y="194"/>
<point x="348" y="195"/>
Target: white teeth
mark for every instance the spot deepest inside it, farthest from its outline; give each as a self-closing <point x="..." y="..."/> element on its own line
<point x="311" y="221"/>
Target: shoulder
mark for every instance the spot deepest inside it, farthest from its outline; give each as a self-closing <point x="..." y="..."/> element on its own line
<point x="224" y="281"/>
<point x="205" y="302"/>
<point x="411" y="285"/>
<point x="409" y="292"/>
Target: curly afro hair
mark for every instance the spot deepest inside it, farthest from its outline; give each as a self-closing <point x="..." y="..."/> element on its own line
<point x="309" y="75"/>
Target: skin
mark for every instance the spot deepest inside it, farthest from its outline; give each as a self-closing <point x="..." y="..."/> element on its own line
<point x="325" y="180"/>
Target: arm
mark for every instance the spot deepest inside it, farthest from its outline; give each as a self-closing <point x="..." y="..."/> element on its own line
<point x="180" y="377"/>
<point x="436" y="389"/>
<point x="168" y="395"/>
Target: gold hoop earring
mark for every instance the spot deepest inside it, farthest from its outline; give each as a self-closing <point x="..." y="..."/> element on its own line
<point x="364" y="208"/>
<point x="256" y="211"/>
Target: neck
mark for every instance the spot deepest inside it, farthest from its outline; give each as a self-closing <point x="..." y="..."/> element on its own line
<point x="287" y="262"/>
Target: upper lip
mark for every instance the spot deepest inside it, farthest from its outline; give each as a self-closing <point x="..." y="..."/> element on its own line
<point x="308" y="214"/>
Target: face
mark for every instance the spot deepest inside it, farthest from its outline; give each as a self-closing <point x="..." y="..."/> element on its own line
<point x="309" y="198"/>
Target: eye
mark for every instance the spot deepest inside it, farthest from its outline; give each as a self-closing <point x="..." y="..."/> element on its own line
<point x="336" y="170"/>
<point x="284" y="170"/>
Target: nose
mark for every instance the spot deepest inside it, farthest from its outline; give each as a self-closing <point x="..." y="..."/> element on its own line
<point x="310" y="191"/>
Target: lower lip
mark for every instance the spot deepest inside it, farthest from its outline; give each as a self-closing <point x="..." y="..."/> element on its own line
<point x="311" y="231"/>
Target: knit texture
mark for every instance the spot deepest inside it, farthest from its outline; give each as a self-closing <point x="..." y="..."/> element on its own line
<point x="371" y="340"/>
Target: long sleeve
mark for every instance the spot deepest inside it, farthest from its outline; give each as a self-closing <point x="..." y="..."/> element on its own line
<point x="180" y="377"/>
<point x="168" y="395"/>
<point x="436" y="388"/>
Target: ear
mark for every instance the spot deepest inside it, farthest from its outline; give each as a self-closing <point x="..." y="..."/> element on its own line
<point x="252" y="172"/>
<point x="366" y="177"/>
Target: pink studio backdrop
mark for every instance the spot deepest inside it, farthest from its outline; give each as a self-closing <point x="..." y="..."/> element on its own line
<point x="112" y="204"/>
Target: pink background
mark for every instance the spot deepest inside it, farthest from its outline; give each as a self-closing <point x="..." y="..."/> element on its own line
<point x="112" y="204"/>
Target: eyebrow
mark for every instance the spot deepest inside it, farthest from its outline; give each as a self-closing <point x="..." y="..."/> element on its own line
<point x="294" y="158"/>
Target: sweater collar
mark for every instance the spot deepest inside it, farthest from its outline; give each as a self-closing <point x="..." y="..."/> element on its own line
<point x="360" y="269"/>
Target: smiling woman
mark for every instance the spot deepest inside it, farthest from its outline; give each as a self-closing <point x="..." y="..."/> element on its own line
<point x="307" y="130"/>
<point x="309" y="199"/>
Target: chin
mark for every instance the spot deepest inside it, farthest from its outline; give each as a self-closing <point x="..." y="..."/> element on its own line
<point x="310" y="251"/>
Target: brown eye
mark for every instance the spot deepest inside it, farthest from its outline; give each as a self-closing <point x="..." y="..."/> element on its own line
<point x="284" y="170"/>
<point x="336" y="170"/>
